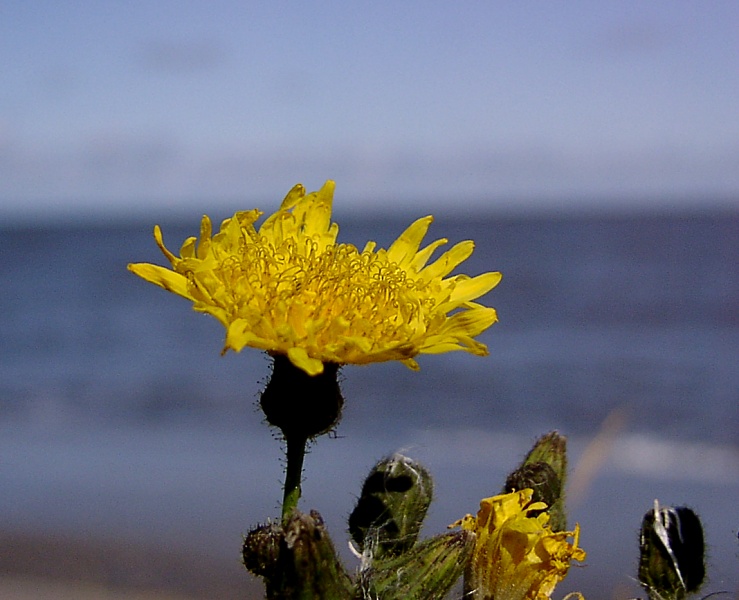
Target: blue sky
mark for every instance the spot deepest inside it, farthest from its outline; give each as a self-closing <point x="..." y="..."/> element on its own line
<point x="121" y="107"/>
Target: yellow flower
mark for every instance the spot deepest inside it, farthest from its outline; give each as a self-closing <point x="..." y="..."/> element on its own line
<point x="516" y="556"/>
<point x="289" y="288"/>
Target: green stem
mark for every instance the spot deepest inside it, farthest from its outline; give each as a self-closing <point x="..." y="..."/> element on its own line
<point x="293" y="474"/>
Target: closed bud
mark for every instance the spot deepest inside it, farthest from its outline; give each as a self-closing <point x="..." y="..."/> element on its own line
<point x="429" y="570"/>
<point x="544" y="470"/>
<point x="297" y="560"/>
<point x="540" y="478"/>
<point x="393" y="503"/>
<point x="672" y="550"/>
<point x="303" y="406"/>
<point x="261" y="549"/>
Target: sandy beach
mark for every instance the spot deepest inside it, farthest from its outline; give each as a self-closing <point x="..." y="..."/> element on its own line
<point x="20" y="588"/>
<point x="40" y="567"/>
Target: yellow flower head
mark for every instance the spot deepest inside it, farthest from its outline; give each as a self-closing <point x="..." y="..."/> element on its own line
<point x="289" y="288"/>
<point x="516" y="556"/>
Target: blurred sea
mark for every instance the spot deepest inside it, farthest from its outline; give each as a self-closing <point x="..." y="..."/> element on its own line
<point x="119" y="419"/>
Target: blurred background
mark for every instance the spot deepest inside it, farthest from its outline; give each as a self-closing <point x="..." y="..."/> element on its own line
<point x="591" y="150"/>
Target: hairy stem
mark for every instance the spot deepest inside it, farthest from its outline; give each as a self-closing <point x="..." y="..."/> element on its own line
<point x="293" y="474"/>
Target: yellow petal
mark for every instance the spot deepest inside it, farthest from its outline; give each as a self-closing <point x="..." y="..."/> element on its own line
<point x="313" y="213"/>
<point x="422" y="257"/>
<point x="206" y="232"/>
<point x="441" y="347"/>
<point x="299" y="357"/>
<point x="188" y="248"/>
<point x="471" y="322"/>
<point x="466" y="289"/>
<point x="447" y="262"/>
<point x="169" y="280"/>
<point x="228" y="238"/>
<point x="294" y="196"/>
<point x="239" y="334"/>
<point x="403" y="249"/>
<point x="160" y="242"/>
<point x="411" y="364"/>
<point x="369" y="247"/>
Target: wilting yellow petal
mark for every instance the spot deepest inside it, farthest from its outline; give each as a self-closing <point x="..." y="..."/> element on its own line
<point x="517" y="556"/>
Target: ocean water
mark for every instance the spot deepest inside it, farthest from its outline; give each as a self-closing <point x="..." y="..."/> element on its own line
<point x="119" y="417"/>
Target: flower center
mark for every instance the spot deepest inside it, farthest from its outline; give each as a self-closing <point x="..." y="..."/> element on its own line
<point x="320" y="293"/>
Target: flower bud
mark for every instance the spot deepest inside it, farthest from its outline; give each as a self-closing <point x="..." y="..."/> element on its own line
<point x="297" y="560"/>
<point x="540" y="478"/>
<point x="544" y="470"/>
<point x="301" y="405"/>
<point x="389" y="513"/>
<point x="672" y="549"/>
<point x="309" y="560"/>
<point x="261" y="549"/>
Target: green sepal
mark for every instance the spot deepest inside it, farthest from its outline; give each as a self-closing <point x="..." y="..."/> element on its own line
<point x="425" y="572"/>
<point x="390" y="511"/>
